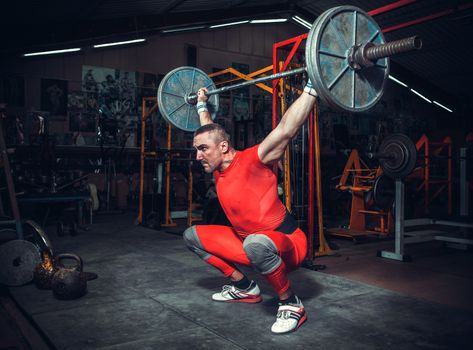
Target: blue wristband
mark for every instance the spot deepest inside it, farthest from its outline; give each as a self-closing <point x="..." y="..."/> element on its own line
<point x="309" y="88"/>
<point x="201" y="107"/>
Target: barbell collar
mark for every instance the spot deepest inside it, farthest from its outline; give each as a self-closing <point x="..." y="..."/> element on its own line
<point x="191" y="98"/>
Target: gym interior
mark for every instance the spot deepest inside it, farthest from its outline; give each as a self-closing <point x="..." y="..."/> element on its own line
<point x="100" y="176"/>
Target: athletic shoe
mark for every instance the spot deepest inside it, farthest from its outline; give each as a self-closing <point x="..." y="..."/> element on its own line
<point x="289" y="317"/>
<point x="231" y="293"/>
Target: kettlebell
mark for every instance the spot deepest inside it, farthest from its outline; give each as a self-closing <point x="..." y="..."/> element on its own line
<point x="69" y="282"/>
<point x="44" y="271"/>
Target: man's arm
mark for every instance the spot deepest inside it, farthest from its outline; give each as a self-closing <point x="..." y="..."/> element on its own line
<point x="272" y="147"/>
<point x="204" y="115"/>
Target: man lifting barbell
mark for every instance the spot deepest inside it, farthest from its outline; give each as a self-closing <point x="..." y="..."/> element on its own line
<point x="347" y="59"/>
<point x="263" y="234"/>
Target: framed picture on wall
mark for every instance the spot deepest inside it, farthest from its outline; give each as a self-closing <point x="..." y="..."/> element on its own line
<point x="54" y="97"/>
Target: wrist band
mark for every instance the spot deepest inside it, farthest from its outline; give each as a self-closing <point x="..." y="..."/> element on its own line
<point x="201" y="107"/>
<point x="310" y="90"/>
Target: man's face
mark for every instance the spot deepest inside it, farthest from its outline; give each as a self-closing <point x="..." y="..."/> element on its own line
<point x="209" y="152"/>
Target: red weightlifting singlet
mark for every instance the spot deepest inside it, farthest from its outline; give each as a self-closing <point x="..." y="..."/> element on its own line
<point x="247" y="191"/>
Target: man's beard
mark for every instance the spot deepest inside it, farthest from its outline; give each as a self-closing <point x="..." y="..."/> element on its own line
<point x="208" y="168"/>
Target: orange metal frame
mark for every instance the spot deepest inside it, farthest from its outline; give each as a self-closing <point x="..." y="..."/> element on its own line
<point x="145" y="114"/>
<point x="249" y="76"/>
<point x="314" y="151"/>
<point x="358" y="178"/>
<point x="442" y="149"/>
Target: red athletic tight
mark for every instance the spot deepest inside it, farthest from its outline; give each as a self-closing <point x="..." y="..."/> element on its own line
<point x="226" y="249"/>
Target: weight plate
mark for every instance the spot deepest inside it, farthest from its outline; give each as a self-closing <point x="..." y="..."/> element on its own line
<point x="18" y="258"/>
<point x="36" y="235"/>
<point x="383" y="192"/>
<point x="172" y="93"/>
<point x="398" y="156"/>
<point x="329" y="43"/>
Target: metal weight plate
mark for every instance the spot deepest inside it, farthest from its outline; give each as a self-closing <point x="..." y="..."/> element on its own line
<point x="383" y="192"/>
<point x="172" y="92"/>
<point x="329" y="43"/>
<point x="397" y="156"/>
<point x="35" y="234"/>
<point x="18" y="258"/>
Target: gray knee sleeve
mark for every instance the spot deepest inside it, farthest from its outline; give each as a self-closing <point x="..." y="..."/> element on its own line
<point x="193" y="242"/>
<point x="262" y="253"/>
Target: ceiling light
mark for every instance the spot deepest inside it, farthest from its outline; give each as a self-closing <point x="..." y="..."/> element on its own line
<point x="183" y="29"/>
<point x="397" y="81"/>
<point x="302" y="22"/>
<point x="51" y="52"/>
<point x="228" y="24"/>
<point x="421" y="96"/>
<point x="441" y="105"/>
<point x="120" y="43"/>
<point x="275" y="20"/>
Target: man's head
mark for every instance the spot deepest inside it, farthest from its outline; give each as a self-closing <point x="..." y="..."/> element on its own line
<point x="212" y="144"/>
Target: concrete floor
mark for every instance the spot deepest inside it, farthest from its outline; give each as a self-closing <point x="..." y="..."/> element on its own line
<point x="152" y="293"/>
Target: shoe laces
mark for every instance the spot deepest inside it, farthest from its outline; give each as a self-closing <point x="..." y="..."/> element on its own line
<point x="227" y="288"/>
<point x="283" y="315"/>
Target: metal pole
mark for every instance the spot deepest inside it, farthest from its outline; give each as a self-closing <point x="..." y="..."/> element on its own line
<point x="10" y="185"/>
<point x="464" y="191"/>
<point x="142" y="160"/>
<point x="324" y="248"/>
<point x="399" y="223"/>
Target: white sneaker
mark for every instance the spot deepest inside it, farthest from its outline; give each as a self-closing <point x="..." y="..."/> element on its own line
<point x="233" y="294"/>
<point x="289" y="317"/>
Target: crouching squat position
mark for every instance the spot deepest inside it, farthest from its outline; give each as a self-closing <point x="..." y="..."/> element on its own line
<point x="263" y="234"/>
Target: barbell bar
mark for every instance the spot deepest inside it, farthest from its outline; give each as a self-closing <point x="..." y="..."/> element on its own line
<point x="346" y="60"/>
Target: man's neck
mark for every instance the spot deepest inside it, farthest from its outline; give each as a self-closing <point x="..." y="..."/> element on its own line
<point x="227" y="159"/>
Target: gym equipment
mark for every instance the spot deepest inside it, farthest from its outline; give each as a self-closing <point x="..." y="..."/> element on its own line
<point x="69" y="282"/>
<point x="18" y="259"/>
<point x="436" y="172"/>
<point x="383" y="192"/>
<point x="36" y="235"/>
<point x="347" y="61"/>
<point x="175" y="102"/>
<point x="452" y="233"/>
<point x="397" y="156"/>
<point x="44" y="272"/>
<point x="372" y="195"/>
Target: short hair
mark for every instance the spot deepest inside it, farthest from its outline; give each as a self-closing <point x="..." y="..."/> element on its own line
<point x="218" y="132"/>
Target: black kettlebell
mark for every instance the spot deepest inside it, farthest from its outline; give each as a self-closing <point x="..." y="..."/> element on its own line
<point x="44" y="271"/>
<point x="69" y="282"/>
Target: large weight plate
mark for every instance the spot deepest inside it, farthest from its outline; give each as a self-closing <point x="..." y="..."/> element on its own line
<point x="398" y="156"/>
<point x="383" y="192"/>
<point x="36" y="235"/>
<point x="172" y="92"/>
<point x="18" y="258"/>
<point x="330" y="40"/>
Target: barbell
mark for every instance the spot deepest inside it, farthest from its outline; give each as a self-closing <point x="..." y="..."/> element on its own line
<point x="347" y="61"/>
